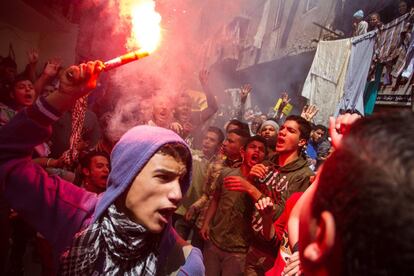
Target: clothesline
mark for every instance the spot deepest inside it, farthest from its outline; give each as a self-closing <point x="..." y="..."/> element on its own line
<point x="346" y="73"/>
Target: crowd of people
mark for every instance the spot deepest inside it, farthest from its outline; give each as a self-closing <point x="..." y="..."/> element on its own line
<point x="196" y="192"/>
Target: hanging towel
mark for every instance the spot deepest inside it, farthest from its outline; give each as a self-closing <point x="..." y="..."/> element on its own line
<point x="371" y="90"/>
<point x="389" y="39"/>
<point x="405" y="58"/>
<point x="324" y="85"/>
<point x="362" y="50"/>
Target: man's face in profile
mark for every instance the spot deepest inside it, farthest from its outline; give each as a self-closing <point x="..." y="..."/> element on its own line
<point x="155" y="192"/>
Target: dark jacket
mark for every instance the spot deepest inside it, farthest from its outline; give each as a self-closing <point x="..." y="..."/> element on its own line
<point x="279" y="184"/>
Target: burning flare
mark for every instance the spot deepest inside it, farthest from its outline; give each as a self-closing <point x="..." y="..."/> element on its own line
<point x="145" y="24"/>
<point x="124" y="59"/>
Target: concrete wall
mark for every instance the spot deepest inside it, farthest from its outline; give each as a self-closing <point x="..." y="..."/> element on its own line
<point x="21" y="41"/>
<point x="289" y="29"/>
<point x="25" y="28"/>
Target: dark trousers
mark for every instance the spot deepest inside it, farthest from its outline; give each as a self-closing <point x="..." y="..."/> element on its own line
<point x="258" y="262"/>
<point x="219" y="262"/>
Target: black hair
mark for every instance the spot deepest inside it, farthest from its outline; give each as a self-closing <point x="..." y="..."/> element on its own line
<point x="257" y="138"/>
<point x="85" y="161"/>
<point x="8" y="62"/>
<point x="17" y="79"/>
<point x="176" y="150"/>
<point x="321" y="127"/>
<point x="217" y="131"/>
<point x="403" y="1"/>
<point x="304" y="126"/>
<point x="368" y="186"/>
<point x="375" y="14"/>
<point x="244" y="135"/>
<point x="239" y="124"/>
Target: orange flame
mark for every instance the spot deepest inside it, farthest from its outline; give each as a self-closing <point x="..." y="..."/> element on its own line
<point x="145" y="24"/>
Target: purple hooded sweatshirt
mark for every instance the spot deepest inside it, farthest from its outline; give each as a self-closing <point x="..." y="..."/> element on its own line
<point x="57" y="208"/>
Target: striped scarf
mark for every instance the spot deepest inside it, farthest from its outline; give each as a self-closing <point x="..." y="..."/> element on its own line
<point x="389" y="39"/>
<point x="113" y="245"/>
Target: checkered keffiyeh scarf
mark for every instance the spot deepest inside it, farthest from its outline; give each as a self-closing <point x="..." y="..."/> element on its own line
<point x="113" y="245"/>
<point x="78" y="117"/>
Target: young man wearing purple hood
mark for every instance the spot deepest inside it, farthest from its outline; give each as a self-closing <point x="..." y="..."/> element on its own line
<point x="123" y="231"/>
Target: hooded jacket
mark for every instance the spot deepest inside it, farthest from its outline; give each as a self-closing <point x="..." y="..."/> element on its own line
<point x="57" y="208"/>
<point x="279" y="184"/>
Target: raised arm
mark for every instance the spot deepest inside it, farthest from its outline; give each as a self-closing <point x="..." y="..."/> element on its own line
<point x="309" y="112"/>
<point x="33" y="59"/>
<point x="245" y="90"/>
<point x="49" y="72"/>
<point x="340" y="126"/>
<point x="212" y="106"/>
<point x="56" y="208"/>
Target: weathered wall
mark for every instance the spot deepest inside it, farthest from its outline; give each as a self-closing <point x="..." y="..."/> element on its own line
<point x="26" y="28"/>
<point x="289" y="29"/>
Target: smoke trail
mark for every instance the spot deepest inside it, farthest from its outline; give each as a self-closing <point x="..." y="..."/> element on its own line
<point x="187" y="24"/>
<point x="170" y="70"/>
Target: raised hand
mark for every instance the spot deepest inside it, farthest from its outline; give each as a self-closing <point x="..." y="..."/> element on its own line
<point x="285" y="98"/>
<point x="203" y="76"/>
<point x="245" y="90"/>
<point x="52" y="67"/>
<point x="78" y="81"/>
<point x="176" y="127"/>
<point x="340" y="126"/>
<point x="292" y="267"/>
<point x="265" y="208"/>
<point x="309" y="111"/>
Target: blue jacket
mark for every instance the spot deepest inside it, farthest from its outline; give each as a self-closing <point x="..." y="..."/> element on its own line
<point x="57" y="208"/>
